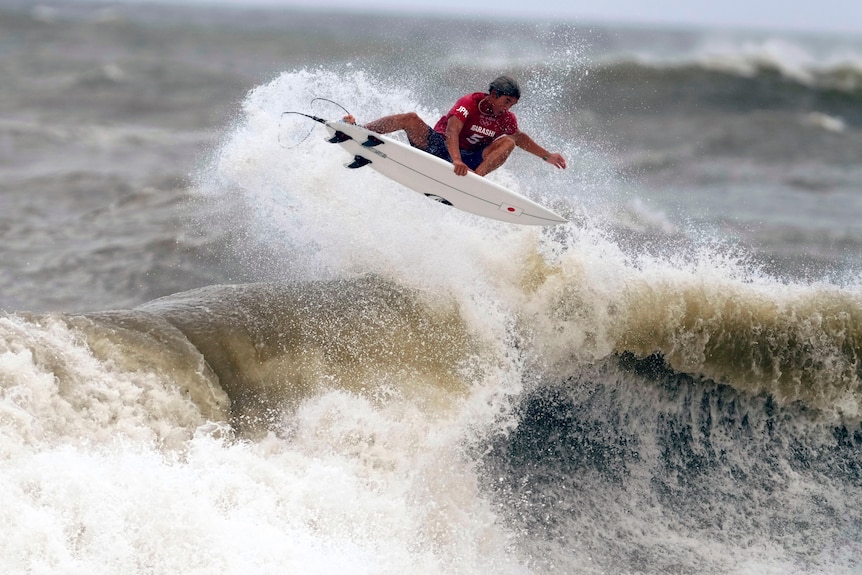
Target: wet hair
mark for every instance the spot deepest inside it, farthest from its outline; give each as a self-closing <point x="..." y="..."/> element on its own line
<point x="506" y="86"/>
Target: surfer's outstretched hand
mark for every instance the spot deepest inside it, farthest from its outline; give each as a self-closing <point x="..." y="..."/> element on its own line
<point x="557" y="160"/>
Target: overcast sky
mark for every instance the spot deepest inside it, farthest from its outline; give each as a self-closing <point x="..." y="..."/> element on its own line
<point x="818" y="15"/>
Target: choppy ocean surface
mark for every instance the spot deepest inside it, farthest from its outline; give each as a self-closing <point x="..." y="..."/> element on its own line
<point x="221" y="352"/>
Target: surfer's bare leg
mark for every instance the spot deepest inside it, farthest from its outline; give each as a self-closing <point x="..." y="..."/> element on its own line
<point x="415" y="127"/>
<point x="495" y="155"/>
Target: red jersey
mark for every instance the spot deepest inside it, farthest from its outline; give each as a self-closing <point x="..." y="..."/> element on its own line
<point x="479" y="129"/>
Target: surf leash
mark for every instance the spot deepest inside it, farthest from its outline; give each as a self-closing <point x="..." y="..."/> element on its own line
<point x="310" y="117"/>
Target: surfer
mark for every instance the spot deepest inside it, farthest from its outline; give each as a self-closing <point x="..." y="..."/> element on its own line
<point x="478" y="134"/>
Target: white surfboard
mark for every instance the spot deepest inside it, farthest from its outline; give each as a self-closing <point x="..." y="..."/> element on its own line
<point x="435" y="177"/>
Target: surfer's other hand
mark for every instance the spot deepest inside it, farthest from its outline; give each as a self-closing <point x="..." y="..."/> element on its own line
<point x="556" y="160"/>
<point x="461" y="168"/>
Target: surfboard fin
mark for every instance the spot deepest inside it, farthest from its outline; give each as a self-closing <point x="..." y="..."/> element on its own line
<point x="440" y="199"/>
<point x="339" y="137"/>
<point x="371" y="142"/>
<point x="358" y="162"/>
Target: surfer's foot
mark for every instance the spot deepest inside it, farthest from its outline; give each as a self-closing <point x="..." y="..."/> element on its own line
<point x="349" y="119"/>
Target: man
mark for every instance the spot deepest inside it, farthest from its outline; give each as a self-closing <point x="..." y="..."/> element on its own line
<point x="477" y="134"/>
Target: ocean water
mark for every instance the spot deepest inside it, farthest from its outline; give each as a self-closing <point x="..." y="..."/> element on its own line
<point x="221" y="352"/>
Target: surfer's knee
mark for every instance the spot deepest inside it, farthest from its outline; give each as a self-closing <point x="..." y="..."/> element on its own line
<point x="506" y="143"/>
<point x="499" y="149"/>
<point x="411" y="121"/>
<point x="496" y="155"/>
<point x="416" y="129"/>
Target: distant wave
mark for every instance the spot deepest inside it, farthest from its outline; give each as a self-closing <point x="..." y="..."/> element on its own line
<point x="835" y="67"/>
<point x="828" y="98"/>
<point x="844" y="80"/>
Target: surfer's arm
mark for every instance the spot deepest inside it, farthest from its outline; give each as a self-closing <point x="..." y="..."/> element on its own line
<point x="453" y="136"/>
<point x="527" y="144"/>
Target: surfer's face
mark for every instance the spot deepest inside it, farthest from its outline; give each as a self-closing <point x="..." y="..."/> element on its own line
<point x="501" y="104"/>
